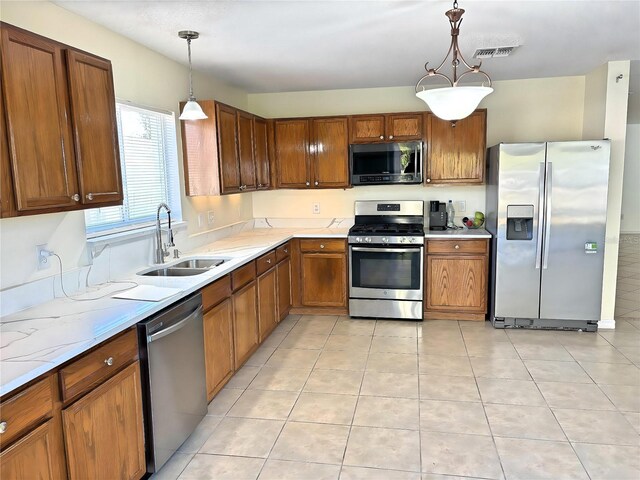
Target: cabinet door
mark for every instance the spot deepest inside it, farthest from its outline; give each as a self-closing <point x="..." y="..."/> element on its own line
<point x="292" y="153"/>
<point x="324" y="279"/>
<point x="218" y="346"/>
<point x="267" y="303"/>
<point x="103" y="430"/>
<point x="330" y="152"/>
<point x="41" y="153"/>
<point x="284" y="288"/>
<point x="95" y="134"/>
<point x="7" y="202"/>
<point x="228" y="149"/>
<point x="456" y="154"/>
<point x="245" y="323"/>
<point x="200" y="152"/>
<point x="261" y="152"/>
<point x="367" y="128"/>
<point x="245" y="151"/>
<point x="457" y="283"/>
<point x="402" y="127"/>
<point x="37" y="455"/>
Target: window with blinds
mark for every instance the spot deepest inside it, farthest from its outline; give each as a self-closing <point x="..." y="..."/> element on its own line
<point x="149" y="158"/>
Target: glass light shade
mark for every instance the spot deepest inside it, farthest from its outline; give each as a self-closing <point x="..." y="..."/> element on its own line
<point x="192" y="111"/>
<point x="453" y="103"/>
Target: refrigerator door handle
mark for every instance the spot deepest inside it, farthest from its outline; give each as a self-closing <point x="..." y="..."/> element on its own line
<point x="547" y="207"/>
<point x="540" y="217"/>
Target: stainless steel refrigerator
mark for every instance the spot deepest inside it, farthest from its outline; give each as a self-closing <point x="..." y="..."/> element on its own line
<point x="546" y="209"/>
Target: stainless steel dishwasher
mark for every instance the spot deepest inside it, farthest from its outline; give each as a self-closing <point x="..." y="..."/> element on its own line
<point x="173" y="368"/>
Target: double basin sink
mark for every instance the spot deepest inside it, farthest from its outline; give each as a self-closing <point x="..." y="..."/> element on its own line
<point x="185" y="268"/>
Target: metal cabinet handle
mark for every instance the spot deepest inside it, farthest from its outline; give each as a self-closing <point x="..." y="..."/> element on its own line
<point x="260" y="185"/>
<point x="381" y="137"/>
<point x="89" y="196"/>
<point x="75" y="197"/>
<point x="269" y="261"/>
<point x="390" y="137"/>
<point x="308" y="184"/>
<point x="286" y="251"/>
<point x="428" y="180"/>
<point x="108" y="361"/>
<point x="316" y="183"/>
<point x="321" y="246"/>
<point x="3" y="427"/>
<point x="457" y="247"/>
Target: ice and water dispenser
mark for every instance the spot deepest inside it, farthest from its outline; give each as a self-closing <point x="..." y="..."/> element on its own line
<point x="519" y="222"/>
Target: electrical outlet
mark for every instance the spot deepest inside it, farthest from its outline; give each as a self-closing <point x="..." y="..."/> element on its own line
<point x="316" y="208"/>
<point x="210" y="217"/>
<point x="42" y="255"/>
<point x="461" y="206"/>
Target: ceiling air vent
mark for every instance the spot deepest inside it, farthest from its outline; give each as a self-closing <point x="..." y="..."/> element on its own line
<point x="484" y="53"/>
<point x="494" y="52"/>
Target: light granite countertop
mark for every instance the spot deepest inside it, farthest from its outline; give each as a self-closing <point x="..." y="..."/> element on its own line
<point x="41" y="338"/>
<point x="460" y="233"/>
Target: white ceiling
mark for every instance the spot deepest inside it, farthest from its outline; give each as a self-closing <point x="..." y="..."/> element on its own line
<point x="278" y="46"/>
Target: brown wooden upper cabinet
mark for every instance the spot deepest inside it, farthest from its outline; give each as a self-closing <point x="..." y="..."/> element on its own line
<point x="312" y="153"/>
<point x="391" y="127"/>
<point x="225" y="153"/>
<point x="61" y="129"/>
<point x="456" y="154"/>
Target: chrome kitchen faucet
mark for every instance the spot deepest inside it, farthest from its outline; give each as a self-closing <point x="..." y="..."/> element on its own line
<point x="162" y="251"/>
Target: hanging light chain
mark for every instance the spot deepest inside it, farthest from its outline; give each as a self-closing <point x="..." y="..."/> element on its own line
<point x="190" y="70"/>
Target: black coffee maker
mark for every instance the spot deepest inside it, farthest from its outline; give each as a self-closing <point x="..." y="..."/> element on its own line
<point x="437" y="215"/>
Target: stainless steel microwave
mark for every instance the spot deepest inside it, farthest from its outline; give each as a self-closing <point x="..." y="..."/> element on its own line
<point x="386" y="163"/>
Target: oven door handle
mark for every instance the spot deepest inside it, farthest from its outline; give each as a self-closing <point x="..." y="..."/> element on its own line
<point x="387" y="250"/>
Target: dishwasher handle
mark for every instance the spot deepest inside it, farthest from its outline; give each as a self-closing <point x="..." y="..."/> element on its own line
<point x="176" y="326"/>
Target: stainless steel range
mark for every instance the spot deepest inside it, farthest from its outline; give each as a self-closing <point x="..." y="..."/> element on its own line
<point x="386" y="260"/>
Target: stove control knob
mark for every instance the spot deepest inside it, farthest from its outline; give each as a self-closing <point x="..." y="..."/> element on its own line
<point x="367" y="239"/>
<point x="358" y="239"/>
<point x="412" y="240"/>
<point x="385" y="240"/>
<point x="402" y="240"/>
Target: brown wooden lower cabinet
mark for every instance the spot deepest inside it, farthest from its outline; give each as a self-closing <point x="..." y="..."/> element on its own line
<point x="456" y="283"/>
<point x="267" y="303"/>
<point x="245" y="323"/>
<point x="284" y="288"/>
<point x="103" y="431"/>
<point x="35" y="456"/>
<point x="323" y="272"/>
<point x="218" y="346"/>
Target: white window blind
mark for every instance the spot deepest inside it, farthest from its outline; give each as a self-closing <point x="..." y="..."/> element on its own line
<point x="149" y="159"/>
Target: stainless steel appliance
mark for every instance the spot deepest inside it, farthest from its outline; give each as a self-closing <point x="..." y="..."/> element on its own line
<point x="172" y="356"/>
<point x="386" y="163"/>
<point x="546" y="209"/>
<point x="437" y="215"/>
<point x="386" y="260"/>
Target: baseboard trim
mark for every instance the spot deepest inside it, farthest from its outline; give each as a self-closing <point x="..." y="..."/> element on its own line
<point x="606" y="324"/>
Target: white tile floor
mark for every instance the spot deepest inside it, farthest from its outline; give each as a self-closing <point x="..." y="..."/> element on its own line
<point x="328" y="397"/>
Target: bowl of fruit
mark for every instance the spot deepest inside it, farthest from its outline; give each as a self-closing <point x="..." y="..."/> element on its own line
<point x="476" y="222"/>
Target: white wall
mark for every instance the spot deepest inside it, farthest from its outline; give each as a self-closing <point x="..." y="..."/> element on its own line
<point x="630" y="221"/>
<point x="141" y="76"/>
<point x="606" y="101"/>
<point x="518" y="111"/>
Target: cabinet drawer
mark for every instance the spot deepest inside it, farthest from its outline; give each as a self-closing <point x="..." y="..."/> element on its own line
<point x="24" y="410"/>
<point x="94" y="367"/>
<point x="282" y="252"/>
<point x="457" y="246"/>
<point x="265" y="262"/>
<point x="243" y="275"/>
<point x="322" y="245"/>
<point x="216" y="292"/>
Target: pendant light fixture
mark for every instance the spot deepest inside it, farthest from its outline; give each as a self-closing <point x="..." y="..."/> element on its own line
<point x="191" y="110"/>
<point x="454" y="102"/>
